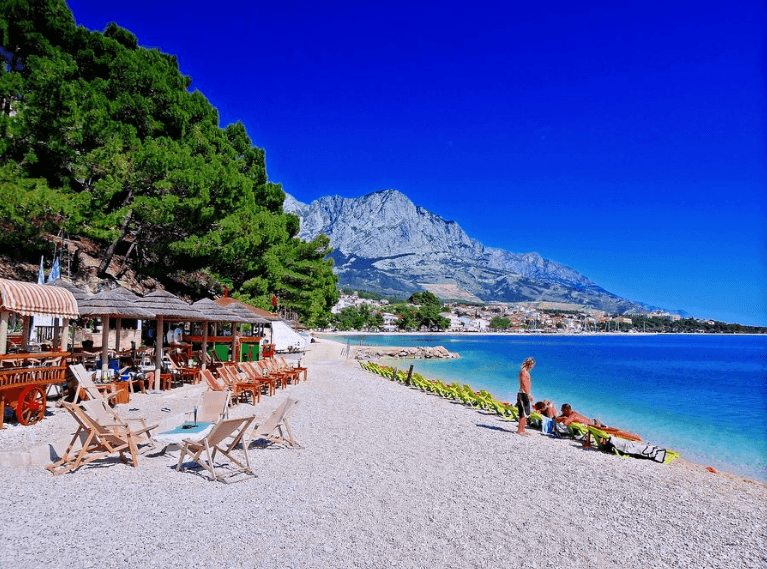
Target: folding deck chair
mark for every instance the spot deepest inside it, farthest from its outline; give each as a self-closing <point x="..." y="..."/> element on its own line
<point x="204" y="450"/>
<point x="99" y="439"/>
<point x="275" y="429"/>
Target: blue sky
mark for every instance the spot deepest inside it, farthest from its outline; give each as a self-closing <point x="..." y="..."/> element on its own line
<point x="626" y="140"/>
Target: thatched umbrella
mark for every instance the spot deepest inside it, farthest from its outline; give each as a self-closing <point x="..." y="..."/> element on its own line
<point x="246" y="311"/>
<point x="167" y="305"/>
<point x="112" y="304"/>
<point x="215" y="313"/>
<point x="241" y="307"/>
<point x="80" y="295"/>
<point x="129" y="296"/>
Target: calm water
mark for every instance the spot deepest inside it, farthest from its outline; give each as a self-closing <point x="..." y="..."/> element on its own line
<point x="705" y="396"/>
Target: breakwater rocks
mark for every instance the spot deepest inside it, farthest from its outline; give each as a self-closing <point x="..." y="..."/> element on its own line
<point x="416" y="353"/>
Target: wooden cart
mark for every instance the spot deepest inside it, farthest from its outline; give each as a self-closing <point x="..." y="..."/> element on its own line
<point x="24" y="381"/>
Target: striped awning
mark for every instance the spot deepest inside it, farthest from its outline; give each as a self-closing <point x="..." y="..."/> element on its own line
<point x="30" y="299"/>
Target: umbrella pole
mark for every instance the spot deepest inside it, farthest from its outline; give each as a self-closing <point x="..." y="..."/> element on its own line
<point x="235" y="355"/>
<point x="118" y="330"/>
<point x="104" y="346"/>
<point x="25" y="333"/>
<point x="158" y="354"/>
<point x="3" y="331"/>
<point x="56" y="335"/>
<point x="64" y="335"/>
<point x="204" y="355"/>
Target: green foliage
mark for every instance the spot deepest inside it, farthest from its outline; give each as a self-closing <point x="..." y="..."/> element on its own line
<point x="354" y="317"/>
<point x="102" y="138"/>
<point x="424" y="298"/>
<point x="500" y="323"/>
<point x="691" y="325"/>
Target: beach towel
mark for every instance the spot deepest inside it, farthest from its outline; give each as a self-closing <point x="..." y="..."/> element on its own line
<point x="560" y="430"/>
<point x="639" y="449"/>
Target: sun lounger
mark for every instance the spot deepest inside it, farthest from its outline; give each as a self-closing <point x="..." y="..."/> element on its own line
<point x="275" y="429"/>
<point x="223" y="438"/>
<point x="242" y="389"/>
<point x="97" y="439"/>
<point x="253" y="373"/>
<point x="630" y="447"/>
<point x="86" y="385"/>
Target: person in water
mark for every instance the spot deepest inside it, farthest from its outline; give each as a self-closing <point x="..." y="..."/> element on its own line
<point x="524" y="398"/>
<point x="569" y="416"/>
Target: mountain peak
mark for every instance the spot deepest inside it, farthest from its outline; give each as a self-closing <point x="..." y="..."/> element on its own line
<point x="384" y="243"/>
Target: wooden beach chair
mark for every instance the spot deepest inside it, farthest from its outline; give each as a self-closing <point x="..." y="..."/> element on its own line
<point x="275" y="429"/>
<point x="99" y="440"/>
<point x="180" y="367"/>
<point x="100" y="410"/>
<point x="214" y="383"/>
<point x="253" y="373"/>
<point x="211" y="407"/>
<point x="240" y="388"/>
<point x="271" y="368"/>
<point x="228" y="432"/>
<point x="86" y="385"/>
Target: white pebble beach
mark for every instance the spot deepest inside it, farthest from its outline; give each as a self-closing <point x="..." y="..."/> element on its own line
<point x="388" y="476"/>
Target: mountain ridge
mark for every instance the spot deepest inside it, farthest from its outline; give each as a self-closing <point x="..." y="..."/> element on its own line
<point x="385" y="243"/>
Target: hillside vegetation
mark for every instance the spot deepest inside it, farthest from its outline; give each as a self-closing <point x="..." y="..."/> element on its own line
<point x="103" y="141"/>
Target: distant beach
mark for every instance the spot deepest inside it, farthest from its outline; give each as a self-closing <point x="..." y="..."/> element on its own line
<point x="659" y="385"/>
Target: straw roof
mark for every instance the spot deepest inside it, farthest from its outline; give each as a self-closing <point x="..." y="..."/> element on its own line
<point x="169" y="306"/>
<point x="113" y="303"/>
<point x="245" y="314"/>
<point x="127" y="294"/>
<point x="262" y="316"/>
<point x="216" y="313"/>
<point x="77" y="292"/>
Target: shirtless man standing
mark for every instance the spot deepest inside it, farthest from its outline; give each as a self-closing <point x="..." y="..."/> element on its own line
<point x="524" y="397"/>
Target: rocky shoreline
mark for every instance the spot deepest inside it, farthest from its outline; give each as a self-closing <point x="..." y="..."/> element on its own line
<point x="411" y="353"/>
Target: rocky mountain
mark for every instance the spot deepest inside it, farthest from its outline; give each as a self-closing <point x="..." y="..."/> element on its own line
<point x="384" y="243"/>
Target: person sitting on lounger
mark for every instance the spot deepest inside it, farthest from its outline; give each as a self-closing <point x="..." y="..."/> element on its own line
<point x="546" y="408"/>
<point x="569" y="416"/>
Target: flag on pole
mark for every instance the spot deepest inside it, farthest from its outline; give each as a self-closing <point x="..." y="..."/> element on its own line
<point x="41" y="272"/>
<point x="54" y="274"/>
<point x="34" y="320"/>
<point x="55" y="270"/>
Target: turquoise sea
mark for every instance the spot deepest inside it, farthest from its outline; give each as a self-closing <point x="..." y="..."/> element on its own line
<point x="702" y="395"/>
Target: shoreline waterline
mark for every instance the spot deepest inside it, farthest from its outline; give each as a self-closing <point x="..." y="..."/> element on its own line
<point x="659" y="386"/>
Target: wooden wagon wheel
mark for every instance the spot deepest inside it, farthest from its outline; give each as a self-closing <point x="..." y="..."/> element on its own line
<point x="31" y="406"/>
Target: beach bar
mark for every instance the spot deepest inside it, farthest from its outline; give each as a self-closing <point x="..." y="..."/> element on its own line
<point x="26" y="373"/>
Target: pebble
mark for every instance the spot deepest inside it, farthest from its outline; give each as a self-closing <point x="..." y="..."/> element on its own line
<point x="389" y="476"/>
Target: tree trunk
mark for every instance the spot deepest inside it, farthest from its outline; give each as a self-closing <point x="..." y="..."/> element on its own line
<point x="124" y="266"/>
<point x="113" y="247"/>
